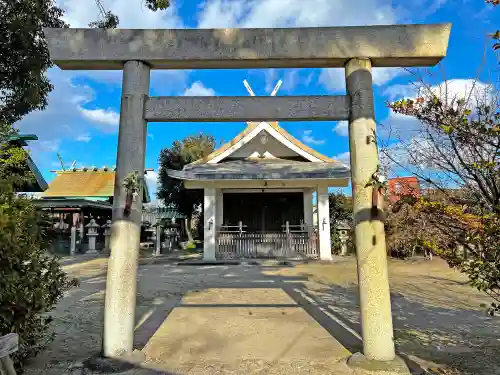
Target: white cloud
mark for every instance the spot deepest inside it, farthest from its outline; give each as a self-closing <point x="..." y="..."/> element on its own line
<point x="398" y="126"/>
<point x="221" y="13"/>
<point x="342" y="128"/>
<point x="132" y="14"/>
<point x="450" y="90"/>
<point x="415" y="155"/>
<point x="402" y="127"/>
<point x="84" y="138"/>
<point x="334" y="78"/>
<point x="62" y="119"/>
<point x="163" y="82"/>
<point x="393" y="92"/>
<point x="468" y="89"/>
<point x="287" y="13"/>
<point x="290" y="79"/>
<point x="300" y="13"/>
<point x="152" y="179"/>
<point x="411" y="144"/>
<point x="50" y="145"/>
<point x="65" y="115"/>
<point x="102" y="116"/>
<point x="344" y="158"/>
<point x="307" y="137"/>
<point x="381" y="76"/>
<point x="198" y="89"/>
<point x="271" y="77"/>
<point x="152" y="182"/>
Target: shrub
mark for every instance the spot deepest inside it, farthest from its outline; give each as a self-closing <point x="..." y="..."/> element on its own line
<point x="404" y="228"/>
<point x="191" y="245"/>
<point x="31" y="280"/>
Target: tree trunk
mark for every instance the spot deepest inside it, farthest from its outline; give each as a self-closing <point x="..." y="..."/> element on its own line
<point x="188" y="229"/>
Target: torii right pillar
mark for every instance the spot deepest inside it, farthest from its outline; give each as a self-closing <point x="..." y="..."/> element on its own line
<point x="373" y="280"/>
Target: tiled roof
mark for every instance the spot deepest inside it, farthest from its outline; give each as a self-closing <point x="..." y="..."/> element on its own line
<point x="81" y="183"/>
<point x="275" y="126"/>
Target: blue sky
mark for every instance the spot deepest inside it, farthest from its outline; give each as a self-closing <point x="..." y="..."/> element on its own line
<point x="81" y="120"/>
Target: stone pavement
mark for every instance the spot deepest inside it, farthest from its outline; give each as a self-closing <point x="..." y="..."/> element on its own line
<point x="250" y="319"/>
<point x="226" y="327"/>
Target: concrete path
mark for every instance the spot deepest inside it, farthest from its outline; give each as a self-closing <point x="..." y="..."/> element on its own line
<point x="270" y="319"/>
<point x="226" y="328"/>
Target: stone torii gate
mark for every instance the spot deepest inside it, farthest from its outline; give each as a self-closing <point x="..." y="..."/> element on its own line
<point x="357" y="49"/>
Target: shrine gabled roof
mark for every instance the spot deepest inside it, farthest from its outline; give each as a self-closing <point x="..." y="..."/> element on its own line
<point x="276" y="169"/>
<point x="251" y="126"/>
<point x="85" y="183"/>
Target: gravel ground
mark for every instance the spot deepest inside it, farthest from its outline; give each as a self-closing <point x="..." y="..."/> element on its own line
<point x="439" y="324"/>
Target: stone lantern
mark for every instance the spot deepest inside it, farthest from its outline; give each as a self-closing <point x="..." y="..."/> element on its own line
<point x="343" y="229"/>
<point x="92" y="234"/>
<point x="107" y="234"/>
<point x="157" y="238"/>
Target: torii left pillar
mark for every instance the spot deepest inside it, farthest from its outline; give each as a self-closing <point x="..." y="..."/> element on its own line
<point x="119" y="311"/>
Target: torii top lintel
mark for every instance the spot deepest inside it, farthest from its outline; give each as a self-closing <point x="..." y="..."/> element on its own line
<point x="384" y="45"/>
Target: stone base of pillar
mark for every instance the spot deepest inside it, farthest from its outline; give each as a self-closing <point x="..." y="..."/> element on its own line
<point x="326" y="257"/>
<point x="99" y="364"/>
<point x="209" y="258"/>
<point x="395" y="367"/>
<point x="92" y="252"/>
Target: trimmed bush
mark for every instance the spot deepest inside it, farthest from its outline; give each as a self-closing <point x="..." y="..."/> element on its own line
<point x="31" y="280"/>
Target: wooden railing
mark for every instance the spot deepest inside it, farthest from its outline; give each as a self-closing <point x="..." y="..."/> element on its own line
<point x="298" y="241"/>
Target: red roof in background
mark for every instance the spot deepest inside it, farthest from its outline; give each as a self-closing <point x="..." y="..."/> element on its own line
<point x="401" y="186"/>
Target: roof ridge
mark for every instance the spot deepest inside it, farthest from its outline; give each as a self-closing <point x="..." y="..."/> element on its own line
<point x="251" y="125"/>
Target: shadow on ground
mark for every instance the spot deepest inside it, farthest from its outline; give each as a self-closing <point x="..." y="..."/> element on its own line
<point x="427" y="337"/>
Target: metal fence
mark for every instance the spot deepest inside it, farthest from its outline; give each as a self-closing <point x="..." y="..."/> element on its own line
<point x="293" y="242"/>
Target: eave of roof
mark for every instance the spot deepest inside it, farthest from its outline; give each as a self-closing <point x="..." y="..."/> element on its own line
<point x="39" y="184"/>
<point x="20" y="139"/>
<point x="264" y="170"/>
<point x="42" y="184"/>
<point x="71" y="203"/>
<point x="86" y="183"/>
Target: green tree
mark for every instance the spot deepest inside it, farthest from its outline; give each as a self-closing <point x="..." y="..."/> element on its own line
<point x="340" y="208"/>
<point x="172" y="191"/>
<point x="457" y="153"/>
<point x="31" y="280"/>
<point x="109" y="20"/>
<point x="496" y="34"/>
<point x="24" y="57"/>
<point x="340" y="213"/>
<point x="404" y="231"/>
